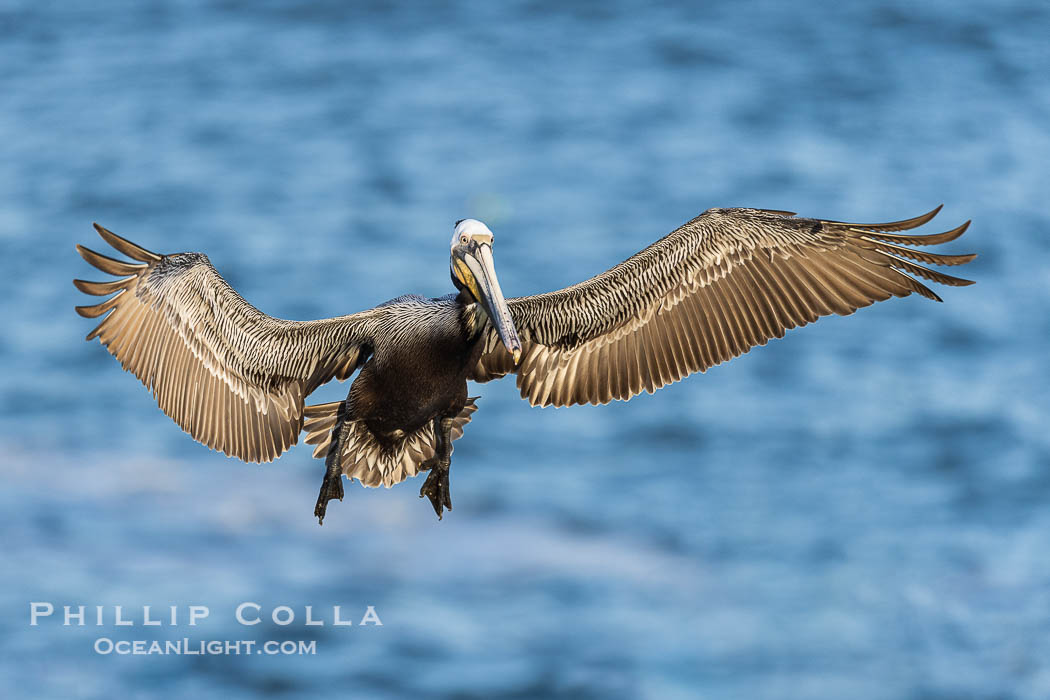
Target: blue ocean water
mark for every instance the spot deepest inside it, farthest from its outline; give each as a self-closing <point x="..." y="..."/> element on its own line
<point x="858" y="510"/>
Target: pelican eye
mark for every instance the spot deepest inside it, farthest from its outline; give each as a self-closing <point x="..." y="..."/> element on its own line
<point x="463" y="238"/>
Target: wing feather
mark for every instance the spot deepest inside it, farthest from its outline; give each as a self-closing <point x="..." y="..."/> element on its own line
<point x="721" y="284"/>
<point x="232" y="377"/>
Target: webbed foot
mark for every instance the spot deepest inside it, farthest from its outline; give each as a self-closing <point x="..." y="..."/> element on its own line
<point x="436" y="487"/>
<point x="331" y="488"/>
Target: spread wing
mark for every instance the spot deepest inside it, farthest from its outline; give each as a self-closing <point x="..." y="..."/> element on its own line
<point x="723" y="283"/>
<point x="228" y="374"/>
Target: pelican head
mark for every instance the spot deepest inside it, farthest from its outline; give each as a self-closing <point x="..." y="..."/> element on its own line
<point x="472" y="270"/>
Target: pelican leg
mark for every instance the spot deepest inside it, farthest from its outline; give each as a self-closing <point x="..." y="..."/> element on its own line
<point x="436" y="487"/>
<point x="331" y="488"/>
<point x="332" y="485"/>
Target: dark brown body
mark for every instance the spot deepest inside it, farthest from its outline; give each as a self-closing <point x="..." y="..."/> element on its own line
<point x="408" y="384"/>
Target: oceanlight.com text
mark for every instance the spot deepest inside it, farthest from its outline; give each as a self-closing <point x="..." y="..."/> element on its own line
<point x="204" y="647"/>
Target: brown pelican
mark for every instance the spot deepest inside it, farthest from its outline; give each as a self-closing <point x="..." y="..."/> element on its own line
<point x="236" y="379"/>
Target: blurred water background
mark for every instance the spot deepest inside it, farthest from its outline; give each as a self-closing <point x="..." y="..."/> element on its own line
<point x="858" y="510"/>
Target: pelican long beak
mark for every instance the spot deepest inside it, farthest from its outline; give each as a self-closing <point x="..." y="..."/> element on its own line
<point x="473" y="263"/>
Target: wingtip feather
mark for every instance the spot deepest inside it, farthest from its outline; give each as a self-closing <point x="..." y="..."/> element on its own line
<point x="108" y="264"/>
<point x="902" y="225"/>
<point x="125" y="246"/>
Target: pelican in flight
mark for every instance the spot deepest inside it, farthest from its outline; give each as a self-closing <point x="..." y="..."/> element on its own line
<point x="237" y="379"/>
